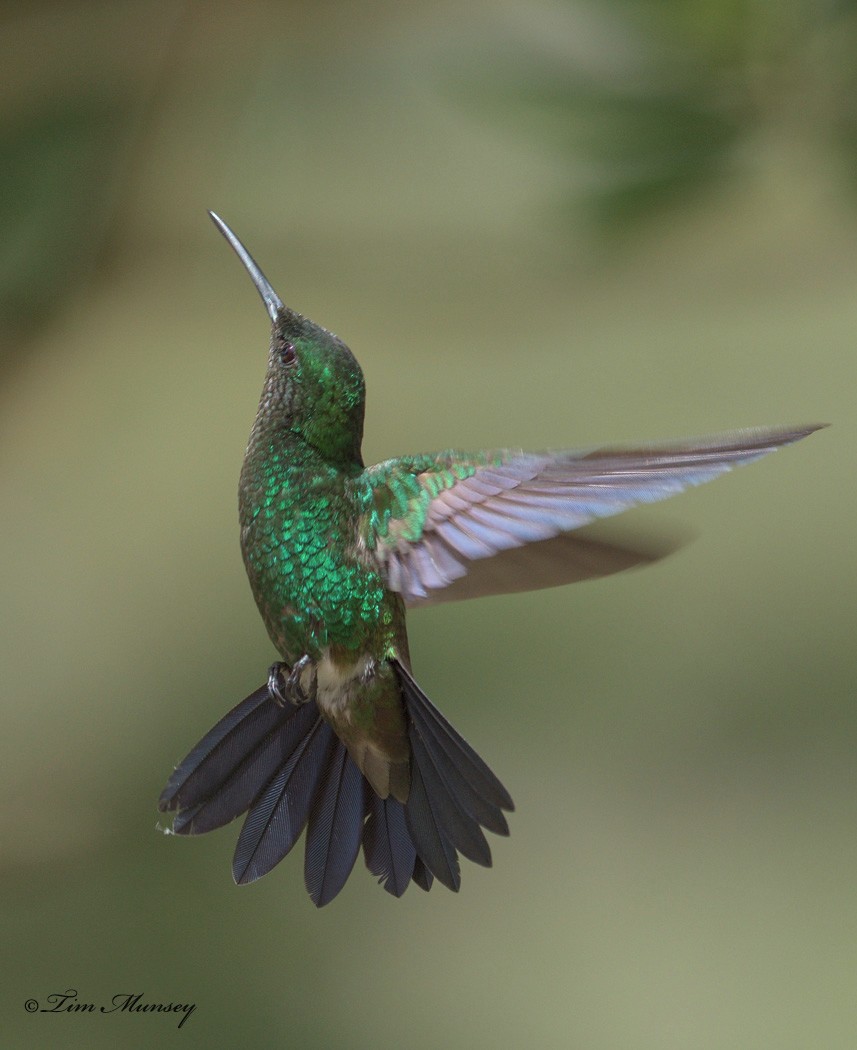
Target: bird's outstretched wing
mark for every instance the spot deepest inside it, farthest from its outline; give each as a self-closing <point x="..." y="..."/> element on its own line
<point x="460" y="524"/>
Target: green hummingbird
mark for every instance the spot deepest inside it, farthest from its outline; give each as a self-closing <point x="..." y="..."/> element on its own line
<point x="340" y="739"/>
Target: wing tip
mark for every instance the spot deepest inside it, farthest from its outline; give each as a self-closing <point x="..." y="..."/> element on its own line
<point x="788" y="435"/>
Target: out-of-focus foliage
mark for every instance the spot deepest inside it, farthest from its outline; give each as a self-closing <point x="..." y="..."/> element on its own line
<point x="686" y="92"/>
<point x="58" y="167"/>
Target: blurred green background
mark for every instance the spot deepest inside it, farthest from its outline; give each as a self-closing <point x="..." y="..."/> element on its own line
<point x="539" y="224"/>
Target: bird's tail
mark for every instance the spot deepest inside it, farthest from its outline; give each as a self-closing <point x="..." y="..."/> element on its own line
<point x="287" y="767"/>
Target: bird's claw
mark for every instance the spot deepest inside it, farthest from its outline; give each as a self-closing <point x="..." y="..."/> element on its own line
<point x="294" y="685"/>
<point x="275" y="676"/>
<point x="289" y="690"/>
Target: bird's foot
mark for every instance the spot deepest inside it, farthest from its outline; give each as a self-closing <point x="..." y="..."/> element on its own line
<point x="294" y="683"/>
<point x="289" y="689"/>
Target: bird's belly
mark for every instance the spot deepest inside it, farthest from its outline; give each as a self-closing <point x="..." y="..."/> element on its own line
<point x="346" y="608"/>
<point x="337" y="680"/>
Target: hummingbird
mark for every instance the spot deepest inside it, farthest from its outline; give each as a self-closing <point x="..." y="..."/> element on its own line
<point x="340" y="739"/>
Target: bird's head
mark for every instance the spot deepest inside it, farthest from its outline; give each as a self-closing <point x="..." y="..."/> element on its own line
<point x="313" y="388"/>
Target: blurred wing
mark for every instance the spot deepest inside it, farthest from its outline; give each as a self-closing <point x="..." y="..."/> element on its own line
<point x="566" y="558"/>
<point x="432" y="519"/>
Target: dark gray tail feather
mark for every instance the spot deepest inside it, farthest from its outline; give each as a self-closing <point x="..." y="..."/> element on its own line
<point x="287" y="767"/>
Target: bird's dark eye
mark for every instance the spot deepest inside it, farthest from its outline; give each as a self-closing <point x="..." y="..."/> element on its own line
<point x="288" y="354"/>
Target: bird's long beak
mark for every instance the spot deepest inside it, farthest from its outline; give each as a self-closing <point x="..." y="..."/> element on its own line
<point x="272" y="301"/>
